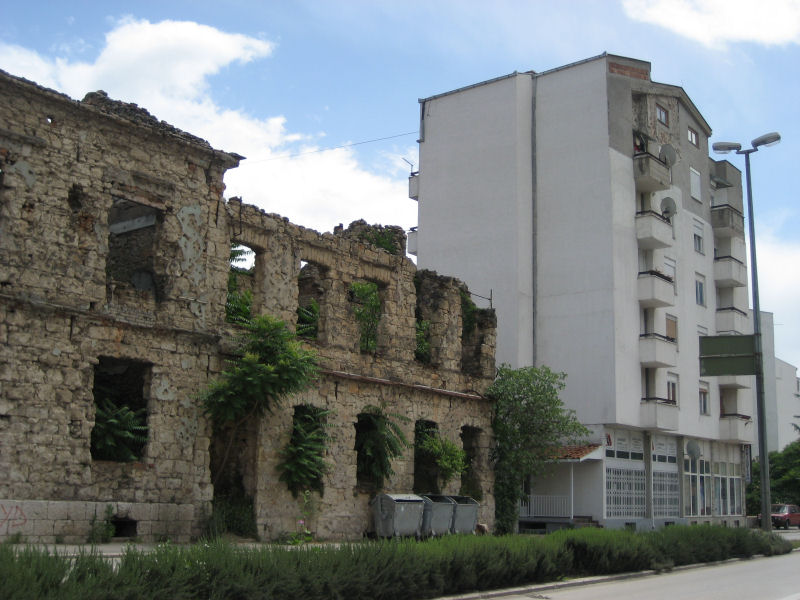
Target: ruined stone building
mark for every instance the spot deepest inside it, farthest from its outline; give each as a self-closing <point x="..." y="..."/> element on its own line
<point x="115" y="244"/>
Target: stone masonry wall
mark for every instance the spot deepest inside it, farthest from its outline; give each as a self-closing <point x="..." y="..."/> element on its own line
<point x="78" y="177"/>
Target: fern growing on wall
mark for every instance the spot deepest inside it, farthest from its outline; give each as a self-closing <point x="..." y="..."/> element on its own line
<point x="119" y="433"/>
<point x="302" y="465"/>
<point x="379" y="440"/>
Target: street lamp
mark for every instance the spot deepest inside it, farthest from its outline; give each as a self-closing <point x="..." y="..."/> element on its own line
<point x="768" y="139"/>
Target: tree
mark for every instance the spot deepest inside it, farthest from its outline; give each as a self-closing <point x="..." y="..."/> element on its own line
<point x="271" y="365"/>
<point x="784" y="478"/>
<point x="529" y="422"/>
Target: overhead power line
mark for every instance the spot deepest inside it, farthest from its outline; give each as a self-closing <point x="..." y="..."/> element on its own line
<point x="389" y="137"/>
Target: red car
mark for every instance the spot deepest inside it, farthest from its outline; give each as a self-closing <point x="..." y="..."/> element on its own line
<point x="785" y="515"/>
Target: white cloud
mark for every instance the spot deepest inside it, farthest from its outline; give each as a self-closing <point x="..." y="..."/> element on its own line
<point x="166" y="67"/>
<point x="717" y="22"/>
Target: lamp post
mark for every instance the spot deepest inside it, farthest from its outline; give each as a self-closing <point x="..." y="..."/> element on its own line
<point x="768" y="139"/>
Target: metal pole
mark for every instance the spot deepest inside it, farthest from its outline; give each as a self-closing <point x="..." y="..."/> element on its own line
<point x="763" y="457"/>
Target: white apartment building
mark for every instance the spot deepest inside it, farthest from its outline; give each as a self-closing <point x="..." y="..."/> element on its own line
<point x="781" y="392"/>
<point x="584" y="202"/>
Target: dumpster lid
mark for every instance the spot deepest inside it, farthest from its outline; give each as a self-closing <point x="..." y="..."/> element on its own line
<point x="437" y="498"/>
<point x="463" y="500"/>
<point x="402" y="497"/>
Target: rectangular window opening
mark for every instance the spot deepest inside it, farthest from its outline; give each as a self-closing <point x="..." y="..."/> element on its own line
<point x="133" y="236"/>
<point x="693" y="137"/>
<point x="121" y="393"/>
<point x="241" y="283"/>
<point x="311" y="284"/>
<point x="367" y="307"/>
<point x="662" y="114"/>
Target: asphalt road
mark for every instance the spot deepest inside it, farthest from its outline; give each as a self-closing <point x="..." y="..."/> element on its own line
<point x="769" y="578"/>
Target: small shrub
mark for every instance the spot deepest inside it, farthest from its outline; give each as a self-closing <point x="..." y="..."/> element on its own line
<point x="468" y="314"/>
<point x="302" y="463"/>
<point x="597" y="551"/>
<point x="422" y="351"/>
<point x="119" y="433"/>
<point x="451" y="461"/>
<point x="308" y="321"/>
<point x="379" y="440"/>
<point x="101" y="531"/>
<point x="367" y="310"/>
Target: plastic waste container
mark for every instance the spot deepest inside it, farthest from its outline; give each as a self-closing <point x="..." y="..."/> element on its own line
<point x="437" y="517"/>
<point x="465" y="515"/>
<point x="397" y="514"/>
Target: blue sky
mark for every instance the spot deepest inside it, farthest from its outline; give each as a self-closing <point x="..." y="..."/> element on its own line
<point x="291" y="85"/>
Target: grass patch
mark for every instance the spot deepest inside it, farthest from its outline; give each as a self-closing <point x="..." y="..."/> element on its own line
<point x="383" y="570"/>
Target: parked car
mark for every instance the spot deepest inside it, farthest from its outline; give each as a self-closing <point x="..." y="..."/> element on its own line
<point x="785" y="515"/>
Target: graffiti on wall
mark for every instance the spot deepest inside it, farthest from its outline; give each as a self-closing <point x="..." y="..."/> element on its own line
<point x="11" y="517"/>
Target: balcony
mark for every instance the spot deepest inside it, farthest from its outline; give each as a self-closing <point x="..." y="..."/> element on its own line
<point x="731" y="321"/>
<point x="729" y="272"/>
<point x="653" y="230"/>
<point x="411" y="241"/>
<point x="656" y="350"/>
<point x="727" y="221"/>
<point x="736" y="428"/>
<point x="734" y="382"/>
<point x="413" y="186"/>
<point x="650" y="174"/>
<point x="659" y="414"/>
<point x="655" y="289"/>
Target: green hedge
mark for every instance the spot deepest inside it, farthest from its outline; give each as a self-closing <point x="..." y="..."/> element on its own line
<point x="383" y="570"/>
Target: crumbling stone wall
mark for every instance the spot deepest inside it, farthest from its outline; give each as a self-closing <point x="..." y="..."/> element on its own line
<point x="65" y="165"/>
<point x="79" y="178"/>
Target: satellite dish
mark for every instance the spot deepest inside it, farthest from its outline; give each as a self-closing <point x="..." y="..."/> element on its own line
<point x="667" y="155"/>
<point x="692" y="449"/>
<point x="668" y="207"/>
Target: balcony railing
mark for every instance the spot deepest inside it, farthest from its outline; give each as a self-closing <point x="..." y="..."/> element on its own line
<point x="731" y="321"/>
<point x="650" y="173"/>
<point x="653" y="230"/>
<point x="729" y="272"/>
<point x="537" y="505"/>
<point x="659" y="413"/>
<point x="655" y="289"/>
<point x="736" y="428"/>
<point x="727" y="221"/>
<point x="656" y="350"/>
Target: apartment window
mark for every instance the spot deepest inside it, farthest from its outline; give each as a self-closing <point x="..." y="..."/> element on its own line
<point x="696" y="486"/>
<point x="703" y="397"/>
<point x="671" y="270"/>
<point x="700" y="290"/>
<point x="672" y="327"/>
<point x="693" y="139"/>
<point x="672" y="388"/>
<point x="698" y="244"/>
<point x="694" y="183"/>
<point x="662" y="114"/>
<point x="727" y="488"/>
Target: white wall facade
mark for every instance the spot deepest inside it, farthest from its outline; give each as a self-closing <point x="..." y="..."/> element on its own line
<point x="528" y="187"/>
<point x="788" y="401"/>
<point x="479" y="228"/>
